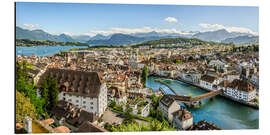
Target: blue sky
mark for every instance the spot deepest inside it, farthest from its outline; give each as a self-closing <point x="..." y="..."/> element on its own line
<point x="92" y="19"/>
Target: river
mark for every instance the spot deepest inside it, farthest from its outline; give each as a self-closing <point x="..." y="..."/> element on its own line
<point x="225" y="113"/>
<point x="43" y="50"/>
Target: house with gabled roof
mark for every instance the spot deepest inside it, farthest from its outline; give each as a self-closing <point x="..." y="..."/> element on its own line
<point x="182" y="119"/>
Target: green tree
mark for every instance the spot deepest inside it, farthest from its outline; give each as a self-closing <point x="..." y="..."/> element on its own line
<point x="156" y="125"/>
<point x="178" y="61"/>
<point x="25" y="85"/>
<point x="44" y="92"/>
<point x="112" y="103"/>
<point x="155" y="100"/>
<point x="157" y="114"/>
<point x="215" y="68"/>
<point x="49" y="92"/>
<point x="53" y="91"/>
<point x="22" y="76"/>
<point x="144" y="75"/>
<point x="129" y="118"/>
<point x="24" y="107"/>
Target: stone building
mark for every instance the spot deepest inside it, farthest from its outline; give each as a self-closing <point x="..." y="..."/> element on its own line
<point x="168" y="105"/>
<point x="182" y="119"/>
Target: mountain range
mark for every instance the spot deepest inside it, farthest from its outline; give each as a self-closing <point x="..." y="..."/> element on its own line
<point x="242" y="40"/>
<point x="124" y="39"/>
<point x="41" y="35"/>
<point x="218" y="35"/>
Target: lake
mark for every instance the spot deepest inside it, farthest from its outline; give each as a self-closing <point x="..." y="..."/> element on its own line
<point x="43" y="50"/>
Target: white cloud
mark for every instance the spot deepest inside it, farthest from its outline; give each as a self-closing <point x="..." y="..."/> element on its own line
<point x="133" y="30"/>
<point x="212" y="27"/>
<point x="31" y="26"/>
<point x="171" y="19"/>
<point x="68" y="33"/>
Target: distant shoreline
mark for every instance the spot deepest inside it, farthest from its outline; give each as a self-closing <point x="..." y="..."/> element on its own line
<point x="46" y="45"/>
<point x="30" y="43"/>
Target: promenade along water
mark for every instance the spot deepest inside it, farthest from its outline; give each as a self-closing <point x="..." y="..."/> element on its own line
<point x="223" y="112"/>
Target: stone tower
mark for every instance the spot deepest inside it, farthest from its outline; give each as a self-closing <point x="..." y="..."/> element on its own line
<point x="28" y="124"/>
<point x="67" y="57"/>
<point x="84" y="58"/>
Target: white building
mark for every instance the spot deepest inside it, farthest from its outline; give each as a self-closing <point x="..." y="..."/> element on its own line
<point x="209" y="82"/>
<point x="191" y="76"/>
<point x="138" y="109"/>
<point x="241" y="90"/>
<point x="232" y="76"/>
<point x="217" y="63"/>
<point x="86" y="90"/>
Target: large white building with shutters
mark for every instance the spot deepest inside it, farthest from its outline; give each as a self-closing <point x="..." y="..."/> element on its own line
<point x="86" y="90"/>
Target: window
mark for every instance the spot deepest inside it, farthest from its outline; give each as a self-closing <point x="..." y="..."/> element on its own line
<point x="64" y="94"/>
<point x="91" y="103"/>
<point x="91" y="107"/>
<point x="84" y="106"/>
<point x="64" y="99"/>
<point x="69" y="100"/>
<point x="77" y="101"/>
<point x="84" y="102"/>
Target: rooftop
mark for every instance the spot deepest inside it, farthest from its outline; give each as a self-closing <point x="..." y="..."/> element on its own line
<point x="76" y="82"/>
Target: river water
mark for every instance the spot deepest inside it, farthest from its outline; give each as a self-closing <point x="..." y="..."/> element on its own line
<point x="225" y="113"/>
<point x="43" y="50"/>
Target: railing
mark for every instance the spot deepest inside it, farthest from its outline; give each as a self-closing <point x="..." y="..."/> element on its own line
<point x="207" y="95"/>
<point x="190" y="99"/>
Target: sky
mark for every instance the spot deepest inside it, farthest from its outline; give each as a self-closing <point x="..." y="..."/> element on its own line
<point x="91" y="19"/>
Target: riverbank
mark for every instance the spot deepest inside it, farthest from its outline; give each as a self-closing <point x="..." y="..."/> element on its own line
<point x="196" y="85"/>
<point x="167" y="86"/>
<point x="222" y="94"/>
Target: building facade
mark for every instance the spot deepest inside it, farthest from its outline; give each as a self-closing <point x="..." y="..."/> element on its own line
<point x="168" y="105"/>
<point x="241" y="90"/>
<point x="209" y="82"/>
<point x="86" y="90"/>
<point x="182" y="119"/>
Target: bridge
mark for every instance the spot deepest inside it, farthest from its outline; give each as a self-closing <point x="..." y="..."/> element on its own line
<point x="190" y="101"/>
<point x="206" y="95"/>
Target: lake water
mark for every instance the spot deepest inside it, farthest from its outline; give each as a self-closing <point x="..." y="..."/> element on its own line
<point x="223" y="112"/>
<point x="43" y="50"/>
